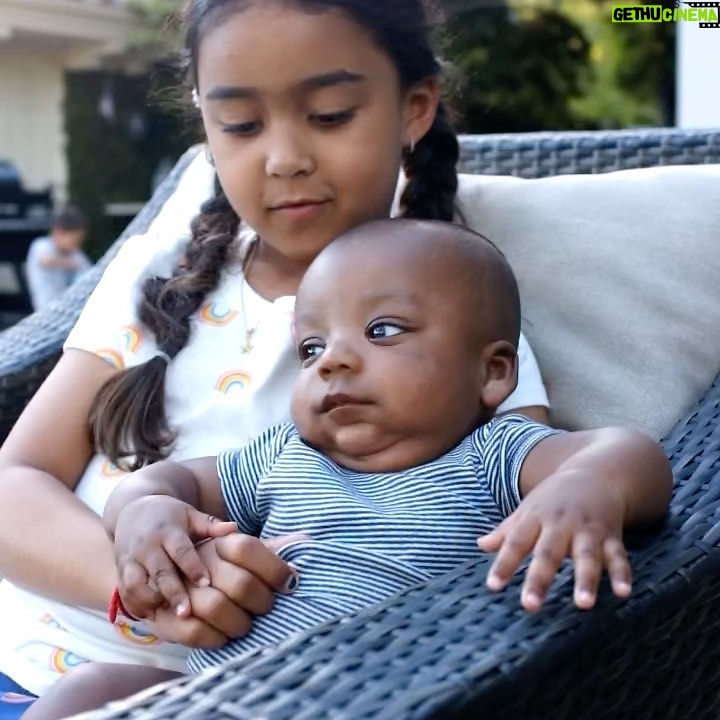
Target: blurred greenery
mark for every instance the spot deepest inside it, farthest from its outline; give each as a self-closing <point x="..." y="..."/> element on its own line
<point x="521" y="65"/>
<point x="114" y="158"/>
<point x="514" y="65"/>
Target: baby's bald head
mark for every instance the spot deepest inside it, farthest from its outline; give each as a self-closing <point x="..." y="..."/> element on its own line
<point x="437" y="257"/>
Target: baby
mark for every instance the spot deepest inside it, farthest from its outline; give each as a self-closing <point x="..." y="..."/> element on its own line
<point x="394" y="463"/>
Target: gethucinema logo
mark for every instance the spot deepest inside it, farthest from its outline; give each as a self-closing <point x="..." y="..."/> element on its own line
<point x="707" y="14"/>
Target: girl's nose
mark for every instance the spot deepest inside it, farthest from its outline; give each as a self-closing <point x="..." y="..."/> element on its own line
<point x="288" y="154"/>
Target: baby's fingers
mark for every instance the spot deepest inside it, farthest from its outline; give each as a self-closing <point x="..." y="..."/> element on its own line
<point x="549" y="552"/>
<point x="181" y="550"/>
<point x="139" y="599"/>
<point x="587" y="554"/>
<point x="493" y="541"/>
<point x="517" y="543"/>
<point x="163" y="575"/>
<point x="618" y="565"/>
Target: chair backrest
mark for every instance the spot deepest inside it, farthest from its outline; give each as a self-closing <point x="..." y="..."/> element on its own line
<point x="524" y="155"/>
<point x="534" y="155"/>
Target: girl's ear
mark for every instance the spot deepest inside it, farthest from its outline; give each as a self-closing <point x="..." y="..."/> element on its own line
<point x="499" y="374"/>
<point x="420" y="106"/>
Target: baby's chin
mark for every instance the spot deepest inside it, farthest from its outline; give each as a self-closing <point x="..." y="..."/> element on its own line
<point x="366" y="448"/>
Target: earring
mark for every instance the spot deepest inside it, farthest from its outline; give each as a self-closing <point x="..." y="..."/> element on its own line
<point x="411" y="147"/>
<point x="209" y="157"/>
<point x="195" y="98"/>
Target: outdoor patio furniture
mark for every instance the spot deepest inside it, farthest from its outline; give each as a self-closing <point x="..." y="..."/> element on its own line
<point x="24" y="216"/>
<point x="450" y="648"/>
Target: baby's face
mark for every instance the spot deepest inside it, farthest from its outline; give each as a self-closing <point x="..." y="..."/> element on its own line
<point x="390" y="375"/>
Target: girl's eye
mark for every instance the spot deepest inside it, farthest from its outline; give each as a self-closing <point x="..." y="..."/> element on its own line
<point x="333" y="119"/>
<point x="243" y="129"/>
<point x="309" y="351"/>
<point x="383" y="330"/>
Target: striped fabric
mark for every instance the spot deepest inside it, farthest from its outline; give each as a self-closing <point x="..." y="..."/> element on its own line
<point x="372" y="534"/>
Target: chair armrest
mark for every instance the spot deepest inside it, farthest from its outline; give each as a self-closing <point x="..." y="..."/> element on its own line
<point x="451" y="649"/>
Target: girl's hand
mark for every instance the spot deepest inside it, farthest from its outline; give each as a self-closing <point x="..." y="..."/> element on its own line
<point x="155" y="537"/>
<point x="246" y="573"/>
<point x="565" y="516"/>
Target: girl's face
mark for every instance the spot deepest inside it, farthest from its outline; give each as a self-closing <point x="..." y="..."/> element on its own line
<point x="306" y="122"/>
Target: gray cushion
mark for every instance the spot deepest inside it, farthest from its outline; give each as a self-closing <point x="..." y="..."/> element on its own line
<point x="620" y="281"/>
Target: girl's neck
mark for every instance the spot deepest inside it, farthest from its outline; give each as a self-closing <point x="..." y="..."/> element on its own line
<point x="271" y="274"/>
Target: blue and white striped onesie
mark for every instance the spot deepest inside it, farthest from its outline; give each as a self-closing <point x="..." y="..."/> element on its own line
<point x="373" y="534"/>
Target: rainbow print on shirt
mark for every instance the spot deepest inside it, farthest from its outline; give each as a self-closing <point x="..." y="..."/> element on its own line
<point x="109" y="470"/>
<point x="214" y="313"/>
<point x="232" y="381"/>
<point x="62" y="661"/>
<point x="111" y="356"/>
<point x="136" y="635"/>
<point x="131" y="338"/>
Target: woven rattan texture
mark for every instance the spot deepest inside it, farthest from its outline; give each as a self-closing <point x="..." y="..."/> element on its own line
<point x="533" y="155"/>
<point x="451" y="649"/>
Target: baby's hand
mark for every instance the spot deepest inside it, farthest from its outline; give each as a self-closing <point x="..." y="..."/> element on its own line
<point x="564" y="516"/>
<point x="154" y="538"/>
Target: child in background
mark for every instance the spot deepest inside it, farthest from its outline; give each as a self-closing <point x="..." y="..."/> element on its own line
<point x="54" y="262"/>
<point x="394" y="463"/>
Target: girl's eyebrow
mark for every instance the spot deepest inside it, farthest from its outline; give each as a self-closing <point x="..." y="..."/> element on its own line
<point x="314" y="82"/>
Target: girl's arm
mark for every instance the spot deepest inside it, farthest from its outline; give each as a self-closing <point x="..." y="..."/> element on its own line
<point x="50" y="541"/>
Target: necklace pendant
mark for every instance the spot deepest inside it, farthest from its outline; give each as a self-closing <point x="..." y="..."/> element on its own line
<point x="248" y="346"/>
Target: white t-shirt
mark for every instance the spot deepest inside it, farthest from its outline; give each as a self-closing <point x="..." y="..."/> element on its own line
<point x="217" y="397"/>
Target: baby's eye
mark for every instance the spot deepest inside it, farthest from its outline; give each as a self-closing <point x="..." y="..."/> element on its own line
<point x="382" y="330"/>
<point x="310" y="350"/>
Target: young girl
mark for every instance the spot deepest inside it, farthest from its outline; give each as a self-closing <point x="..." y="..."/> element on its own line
<point x="311" y="108"/>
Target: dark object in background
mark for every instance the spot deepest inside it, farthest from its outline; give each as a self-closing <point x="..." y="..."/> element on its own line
<point x="24" y="215"/>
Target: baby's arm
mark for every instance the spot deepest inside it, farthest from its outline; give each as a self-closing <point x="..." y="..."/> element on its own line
<point x="624" y="461"/>
<point x="155" y="516"/>
<point x="580" y="491"/>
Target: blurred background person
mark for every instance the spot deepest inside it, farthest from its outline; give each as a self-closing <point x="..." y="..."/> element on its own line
<point x="55" y="261"/>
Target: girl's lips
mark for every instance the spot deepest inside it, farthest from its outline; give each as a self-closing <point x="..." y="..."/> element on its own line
<point x="299" y="211"/>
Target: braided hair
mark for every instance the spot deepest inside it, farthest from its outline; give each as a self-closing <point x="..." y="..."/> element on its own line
<point x="127" y="418"/>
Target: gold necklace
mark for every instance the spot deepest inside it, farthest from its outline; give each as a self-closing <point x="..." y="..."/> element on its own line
<point x="245" y="269"/>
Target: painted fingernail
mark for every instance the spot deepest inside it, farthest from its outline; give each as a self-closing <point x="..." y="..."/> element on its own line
<point x="292" y="582"/>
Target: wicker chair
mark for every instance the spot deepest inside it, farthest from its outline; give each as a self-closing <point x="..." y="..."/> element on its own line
<point x="449" y="648"/>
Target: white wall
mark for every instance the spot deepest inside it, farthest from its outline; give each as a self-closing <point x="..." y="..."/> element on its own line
<point x="31" y="120"/>
<point x="697" y="68"/>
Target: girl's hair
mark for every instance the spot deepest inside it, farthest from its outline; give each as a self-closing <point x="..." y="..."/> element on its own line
<point x="127" y="419"/>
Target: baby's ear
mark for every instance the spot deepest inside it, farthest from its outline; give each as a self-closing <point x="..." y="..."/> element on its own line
<point x="499" y="368"/>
